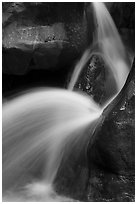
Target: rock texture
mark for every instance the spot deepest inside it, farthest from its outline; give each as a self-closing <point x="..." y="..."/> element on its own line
<point x="42" y="35"/>
<point x="96" y="80"/>
<point x="111" y="150"/>
<point x="123" y="14"/>
<point x="106" y="171"/>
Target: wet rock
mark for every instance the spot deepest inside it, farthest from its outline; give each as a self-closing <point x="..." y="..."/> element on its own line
<point x="50" y="34"/>
<point x="108" y="187"/>
<point x="111" y="150"/>
<point x="73" y="175"/>
<point x="123" y="14"/>
<point x="95" y="80"/>
<point x="15" y="61"/>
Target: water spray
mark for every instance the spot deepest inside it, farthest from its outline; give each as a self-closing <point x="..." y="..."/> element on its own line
<point x="39" y="124"/>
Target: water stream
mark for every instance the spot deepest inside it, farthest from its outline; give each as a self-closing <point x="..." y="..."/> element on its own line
<point x="39" y="124"/>
<point x="108" y="44"/>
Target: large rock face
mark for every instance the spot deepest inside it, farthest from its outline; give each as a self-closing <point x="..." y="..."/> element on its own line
<point x="42" y="42"/>
<point x="42" y="35"/>
<point x="111" y="150"/>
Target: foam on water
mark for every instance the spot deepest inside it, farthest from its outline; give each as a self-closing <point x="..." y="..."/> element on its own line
<point x="37" y="127"/>
<point x="36" y="192"/>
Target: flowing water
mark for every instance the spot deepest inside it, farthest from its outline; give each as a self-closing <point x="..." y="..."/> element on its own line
<point x="106" y="43"/>
<point x="40" y="124"/>
<point x="37" y="127"/>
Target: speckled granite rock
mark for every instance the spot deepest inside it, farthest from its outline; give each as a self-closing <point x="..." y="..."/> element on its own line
<point x="95" y="80"/>
<point x="42" y="35"/>
<point x="111" y="150"/>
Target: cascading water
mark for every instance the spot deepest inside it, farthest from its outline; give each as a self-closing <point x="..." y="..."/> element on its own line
<point x="38" y="125"/>
<point x="108" y="44"/>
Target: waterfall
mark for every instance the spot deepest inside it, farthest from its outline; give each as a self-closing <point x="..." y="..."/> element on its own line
<point x="108" y="44"/>
<point x="38" y="125"/>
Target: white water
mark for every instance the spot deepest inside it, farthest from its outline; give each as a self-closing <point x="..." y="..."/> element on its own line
<point x="38" y="125"/>
<point x="108" y="44"/>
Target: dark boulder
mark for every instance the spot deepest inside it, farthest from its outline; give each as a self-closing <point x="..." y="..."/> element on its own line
<point x="42" y="42"/>
<point x="111" y="151"/>
<point x="123" y="14"/>
<point x="42" y="35"/>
